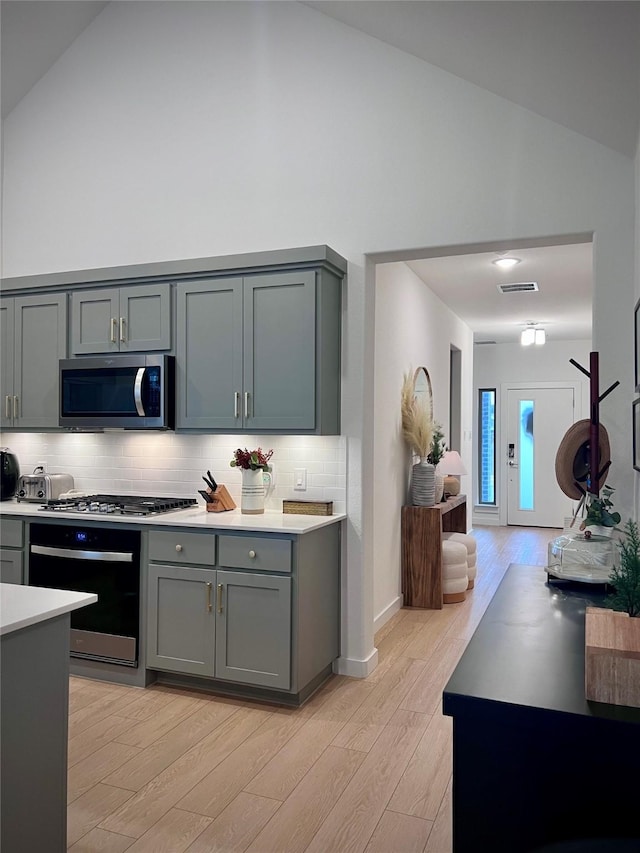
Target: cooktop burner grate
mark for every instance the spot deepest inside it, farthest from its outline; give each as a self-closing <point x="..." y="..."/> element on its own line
<point x="118" y="504"/>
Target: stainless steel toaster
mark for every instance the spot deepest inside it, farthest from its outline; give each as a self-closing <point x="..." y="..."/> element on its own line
<point x="43" y="487"/>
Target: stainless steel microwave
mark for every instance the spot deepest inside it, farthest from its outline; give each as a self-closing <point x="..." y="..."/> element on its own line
<point x="118" y="392"/>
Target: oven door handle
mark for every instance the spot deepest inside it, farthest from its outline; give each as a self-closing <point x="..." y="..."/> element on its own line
<point x="76" y="554"/>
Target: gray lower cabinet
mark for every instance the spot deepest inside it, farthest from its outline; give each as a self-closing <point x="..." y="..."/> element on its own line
<point x="181" y="619"/>
<point x="259" y="612"/>
<point x="274" y="341"/>
<point x="33" y="333"/>
<point x="253" y="629"/>
<point x="121" y="319"/>
<point x="11" y="551"/>
<point x="10" y="566"/>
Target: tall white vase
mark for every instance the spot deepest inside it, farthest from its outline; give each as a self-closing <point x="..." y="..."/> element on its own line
<point x="252" y="493"/>
<point x="423" y="483"/>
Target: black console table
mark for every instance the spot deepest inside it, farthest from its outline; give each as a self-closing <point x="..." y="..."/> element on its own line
<point x="533" y="761"/>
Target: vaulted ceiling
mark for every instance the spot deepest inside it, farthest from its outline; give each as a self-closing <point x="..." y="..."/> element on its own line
<point x="576" y="63"/>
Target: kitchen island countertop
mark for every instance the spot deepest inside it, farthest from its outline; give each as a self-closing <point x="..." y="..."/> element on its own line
<point x="22" y="606"/>
<point x="271" y="521"/>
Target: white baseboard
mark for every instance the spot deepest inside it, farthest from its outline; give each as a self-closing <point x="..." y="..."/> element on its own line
<point x="386" y="614"/>
<point x="356" y="668"/>
<point x="488" y="520"/>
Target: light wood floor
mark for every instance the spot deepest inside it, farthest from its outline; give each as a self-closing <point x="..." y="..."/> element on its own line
<point x="365" y="765"/>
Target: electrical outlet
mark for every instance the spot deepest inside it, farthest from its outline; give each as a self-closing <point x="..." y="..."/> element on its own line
<point x="300" y="479"/>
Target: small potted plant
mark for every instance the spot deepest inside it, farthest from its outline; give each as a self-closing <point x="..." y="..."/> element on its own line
<point x="254" y="464"/>
<point x="625" y="577"/>
<point x="612" y="663"/>
<point x="599" y="518"/>
<point x="438" y="449"/>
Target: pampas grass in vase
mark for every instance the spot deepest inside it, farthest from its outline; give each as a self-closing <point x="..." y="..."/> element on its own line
<point x="417" y="430"/>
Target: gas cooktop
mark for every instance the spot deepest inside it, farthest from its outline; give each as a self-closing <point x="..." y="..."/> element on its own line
<point x="117" y="504"/>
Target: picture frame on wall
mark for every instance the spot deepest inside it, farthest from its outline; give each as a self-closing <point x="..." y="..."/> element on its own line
<point x="636" y="434"/>
<point x="636" y="345"/>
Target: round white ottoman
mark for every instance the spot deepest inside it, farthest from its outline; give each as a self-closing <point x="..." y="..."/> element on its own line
<point x="454" y="571"/>
<point x="470" y="544"/>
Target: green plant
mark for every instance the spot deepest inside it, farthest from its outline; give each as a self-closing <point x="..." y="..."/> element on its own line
<point x="625" y="578"/>
<point x="251" y="459"/>
<point x="599" y="510"/>
<point x="438" y="444"/>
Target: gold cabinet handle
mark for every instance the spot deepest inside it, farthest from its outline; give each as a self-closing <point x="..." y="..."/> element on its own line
<point x="123" y="338"/>
<point x="219" y="608"/>
<point x="236" y="405"/>
<point x="246" y="404"/>
<point x="209" y="597"/>
<point x="7" y="407"/>
<point x="16" y="407"/>
<point x="114" y="323"/>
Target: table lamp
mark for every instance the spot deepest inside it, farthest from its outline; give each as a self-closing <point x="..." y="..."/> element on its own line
<point x="451" y="467"/>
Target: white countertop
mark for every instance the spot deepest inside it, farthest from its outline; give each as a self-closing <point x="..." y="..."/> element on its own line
<point x="21" y="606"/>
<point x="270" y="521"/>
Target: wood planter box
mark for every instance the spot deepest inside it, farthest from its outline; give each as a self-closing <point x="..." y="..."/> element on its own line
<point x="612" y="659"/>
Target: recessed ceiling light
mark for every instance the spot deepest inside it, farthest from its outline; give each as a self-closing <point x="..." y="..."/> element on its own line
<point x="506" y="263"/>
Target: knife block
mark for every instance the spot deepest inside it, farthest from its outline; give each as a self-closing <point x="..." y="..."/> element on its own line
<point x="222" y="500"/>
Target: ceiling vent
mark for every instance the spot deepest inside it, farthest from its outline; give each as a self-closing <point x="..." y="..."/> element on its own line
<point x="483" y="343"/>
<point x="518" y="287"/>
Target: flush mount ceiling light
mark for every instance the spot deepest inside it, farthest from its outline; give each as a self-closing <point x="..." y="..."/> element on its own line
<point x="532" y="335"/>
<point x="506" y="263"/>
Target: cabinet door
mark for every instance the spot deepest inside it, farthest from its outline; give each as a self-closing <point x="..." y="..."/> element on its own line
<point x="7" y="350"/>
<point x="181" y="619"/>
<point x="144" y="319"/>
<point x="10" y="566"/>
<point x="40" y="342"/>
<point x="253" y="629"/>
<point x="209" y="354"/>
<point x="280" y="351"/>
<point x="94" y="321"/>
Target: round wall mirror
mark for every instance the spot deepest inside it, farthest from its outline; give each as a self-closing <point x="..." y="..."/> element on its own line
<point x="422" y="389"/>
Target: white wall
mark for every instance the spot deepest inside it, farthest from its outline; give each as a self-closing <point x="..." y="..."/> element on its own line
<point x="412" y="328"/>
<point x="174" y="130"/>
<point x="637" y="297"/>
<point x="166" y="463"/>
<point x="495" y="364"/>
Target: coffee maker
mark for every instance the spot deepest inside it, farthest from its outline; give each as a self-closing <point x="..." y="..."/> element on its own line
<point x="9" y="473"/>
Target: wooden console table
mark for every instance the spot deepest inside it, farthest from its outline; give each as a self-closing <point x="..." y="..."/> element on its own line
<point x="421" y="533"/>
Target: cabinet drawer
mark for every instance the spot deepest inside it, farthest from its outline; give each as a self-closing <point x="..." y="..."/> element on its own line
<point x="174" y="546"/>
<point x="12" y="532"/>
<point x="255" y="552"/>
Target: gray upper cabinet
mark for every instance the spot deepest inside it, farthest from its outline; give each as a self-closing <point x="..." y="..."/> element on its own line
<point x="124" y="319"/>
<point x="34" y="339"/>
<point x="209" y="354"/>
<point x="260" y="353"/>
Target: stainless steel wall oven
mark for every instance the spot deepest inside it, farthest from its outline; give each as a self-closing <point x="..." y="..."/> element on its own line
<point x="102" y="560"/>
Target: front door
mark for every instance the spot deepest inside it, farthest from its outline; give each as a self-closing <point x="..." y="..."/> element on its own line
<point x="537" y="421"/>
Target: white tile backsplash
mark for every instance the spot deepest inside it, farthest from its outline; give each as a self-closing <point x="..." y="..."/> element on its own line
<point x="149" y="463"/>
